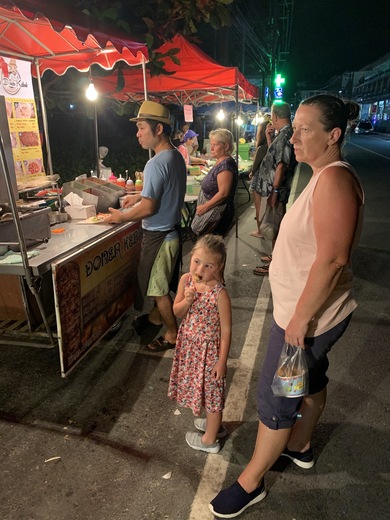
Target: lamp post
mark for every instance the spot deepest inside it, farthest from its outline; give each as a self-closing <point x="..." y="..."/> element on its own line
<point x="92" y="95"/>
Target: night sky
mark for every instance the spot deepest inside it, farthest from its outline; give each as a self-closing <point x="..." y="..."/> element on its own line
<point x="330" y="37"/>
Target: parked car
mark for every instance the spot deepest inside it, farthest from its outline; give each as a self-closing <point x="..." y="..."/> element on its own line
<point x="364" y="127"/>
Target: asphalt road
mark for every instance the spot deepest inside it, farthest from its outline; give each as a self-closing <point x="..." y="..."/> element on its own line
<point x="118" y="441"/>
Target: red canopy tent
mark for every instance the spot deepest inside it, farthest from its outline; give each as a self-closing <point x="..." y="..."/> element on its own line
<point x="55" y="37"/>
<point x="198" y="80"/>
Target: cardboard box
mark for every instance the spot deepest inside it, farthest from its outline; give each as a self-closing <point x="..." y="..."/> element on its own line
<point x="81" y="212"/>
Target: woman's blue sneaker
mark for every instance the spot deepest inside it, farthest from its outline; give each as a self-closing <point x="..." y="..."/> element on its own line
<point x="233" y="501"/>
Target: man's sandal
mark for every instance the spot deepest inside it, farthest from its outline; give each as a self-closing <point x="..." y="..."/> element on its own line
<point x="261" y="270"/>
<point x="141" y="324"/>
<point x="159" y="345"/>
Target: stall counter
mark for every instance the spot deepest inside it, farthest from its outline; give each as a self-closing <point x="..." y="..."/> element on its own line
<point x="92" y="270"/>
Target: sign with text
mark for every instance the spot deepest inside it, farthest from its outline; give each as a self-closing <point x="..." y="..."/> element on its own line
<point x="188" y="113"/>
<point x="17" y="88"/>
<point x="93" y="288"/>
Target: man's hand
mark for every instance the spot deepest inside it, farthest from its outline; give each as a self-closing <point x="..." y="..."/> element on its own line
<point x="115" y="217"/>
<point x="130" y="200"/>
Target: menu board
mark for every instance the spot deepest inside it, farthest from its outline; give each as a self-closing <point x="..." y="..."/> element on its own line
<point x="16" y="86"/>
<point x="92" y="289"/>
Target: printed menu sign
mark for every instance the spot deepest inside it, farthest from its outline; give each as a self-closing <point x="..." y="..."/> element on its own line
<point x="16" y="86"/>
<point x="92" y="289"/>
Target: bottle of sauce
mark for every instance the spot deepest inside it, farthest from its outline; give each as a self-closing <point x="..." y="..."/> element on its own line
<point x="129" y="185"/>
<point x="112" y="178"/>
<point x="121" y="181"/>
<point x="139" y="182"/>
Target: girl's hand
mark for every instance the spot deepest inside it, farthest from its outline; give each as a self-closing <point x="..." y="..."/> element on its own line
<point x="219" y="370"/>
<point x="189" y="295"/>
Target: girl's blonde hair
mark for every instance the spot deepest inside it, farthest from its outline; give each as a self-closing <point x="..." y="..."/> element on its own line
<point x="216" y="246"/>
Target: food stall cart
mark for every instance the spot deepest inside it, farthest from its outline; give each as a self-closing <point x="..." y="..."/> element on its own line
<point x="63" y="286"/>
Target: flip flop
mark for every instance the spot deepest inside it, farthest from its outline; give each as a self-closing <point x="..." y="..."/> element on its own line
<point x="159" y="345"/>
<point x="261" y="270"/>
<point x="266" y="258"/>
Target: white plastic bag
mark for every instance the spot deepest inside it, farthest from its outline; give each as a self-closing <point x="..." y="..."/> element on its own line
<point x="270" y="223"/>
<point x="291" y="378"/>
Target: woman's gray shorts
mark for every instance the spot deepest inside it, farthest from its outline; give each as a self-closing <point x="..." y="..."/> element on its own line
<point x="281" y="412"/>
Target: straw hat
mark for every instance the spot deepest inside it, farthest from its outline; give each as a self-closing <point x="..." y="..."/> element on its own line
<point x="154" y="111"/>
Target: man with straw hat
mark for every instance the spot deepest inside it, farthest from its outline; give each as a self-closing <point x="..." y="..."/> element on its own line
<point x="160" y="204"/>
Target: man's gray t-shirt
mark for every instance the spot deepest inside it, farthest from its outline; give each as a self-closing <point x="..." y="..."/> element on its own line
<point x="165" y="179"/>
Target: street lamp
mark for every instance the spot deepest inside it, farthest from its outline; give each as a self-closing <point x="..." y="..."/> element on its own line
<point x="92" y="95"/>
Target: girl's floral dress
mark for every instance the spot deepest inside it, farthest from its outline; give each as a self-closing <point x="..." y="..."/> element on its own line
<point x="197" y="351"/>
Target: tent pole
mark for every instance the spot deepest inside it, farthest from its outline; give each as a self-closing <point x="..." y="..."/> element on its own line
<point x="44" y="119"/>
<point x="144" y="77"/>
<point x="145" y="89"/>
<point x="236" y="132"/>
<point x="96" y="136"/>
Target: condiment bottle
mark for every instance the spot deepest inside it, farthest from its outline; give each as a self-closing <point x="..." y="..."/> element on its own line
<point x="129" y="185"/>
<point x="112" y="178"/>
<point x="139" y="182"/>
<point x="121" y="181"/>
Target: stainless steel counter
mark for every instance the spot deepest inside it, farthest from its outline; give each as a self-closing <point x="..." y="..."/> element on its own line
<point x="76" y="236"/>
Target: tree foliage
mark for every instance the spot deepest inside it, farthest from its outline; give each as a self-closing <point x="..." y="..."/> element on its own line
<point x="158" y="20"/>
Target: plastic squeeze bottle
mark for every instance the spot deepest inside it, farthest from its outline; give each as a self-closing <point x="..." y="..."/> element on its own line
<point x="139" y="182"/>
<point x="129" y="185"/>
<point x="112" y="178"/>
<point x="121" y="181"/>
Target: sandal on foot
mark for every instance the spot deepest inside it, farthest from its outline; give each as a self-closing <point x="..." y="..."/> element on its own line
<point x="255" y="234"/>
<point x="160" y="344"/>
<point x="261" y="270"/>
<point x="266" y="258"/>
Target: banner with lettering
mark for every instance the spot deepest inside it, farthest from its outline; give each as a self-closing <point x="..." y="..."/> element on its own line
<point x="16" y="86"/>
<point x="92" y="289"/>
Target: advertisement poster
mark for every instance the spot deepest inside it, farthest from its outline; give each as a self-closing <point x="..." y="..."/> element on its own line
<point x="17" y="88"/>
<point x="93" y="288"/>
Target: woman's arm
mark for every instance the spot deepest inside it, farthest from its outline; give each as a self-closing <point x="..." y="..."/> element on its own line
<point x="184" y="298"/>
<point x="225" y="183"/>
<point x="336" y="202"/>
<point x="225" y="316"/>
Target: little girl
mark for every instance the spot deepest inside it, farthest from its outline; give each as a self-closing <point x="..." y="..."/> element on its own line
<point x="198" y="376"/>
